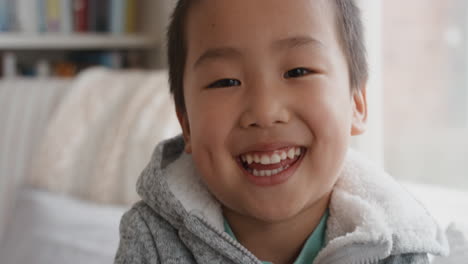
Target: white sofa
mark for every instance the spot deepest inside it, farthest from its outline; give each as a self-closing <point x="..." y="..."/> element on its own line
<point x="70" y="154"/>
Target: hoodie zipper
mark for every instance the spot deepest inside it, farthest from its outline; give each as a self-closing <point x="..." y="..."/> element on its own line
<point x="367" y="261"/>
<point x="231" y="240"/>
<point x="330" y="260"/>
<point x="249" y="254"/>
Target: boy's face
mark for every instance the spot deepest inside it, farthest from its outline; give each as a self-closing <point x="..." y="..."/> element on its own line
<point x="265" y="78"/>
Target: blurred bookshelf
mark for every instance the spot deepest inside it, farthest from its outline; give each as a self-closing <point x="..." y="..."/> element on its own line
<point x="60" y="38"/>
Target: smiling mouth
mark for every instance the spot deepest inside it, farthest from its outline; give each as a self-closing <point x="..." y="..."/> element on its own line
<point x="271" y="164"/>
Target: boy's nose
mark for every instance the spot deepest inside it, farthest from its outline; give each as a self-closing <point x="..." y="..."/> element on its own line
<point x="264" y="107"/>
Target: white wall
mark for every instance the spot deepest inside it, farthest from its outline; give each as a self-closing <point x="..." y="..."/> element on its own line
<point x="371" y="143"/>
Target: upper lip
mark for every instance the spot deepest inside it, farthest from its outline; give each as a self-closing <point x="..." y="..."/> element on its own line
<point x="267" y="147"/>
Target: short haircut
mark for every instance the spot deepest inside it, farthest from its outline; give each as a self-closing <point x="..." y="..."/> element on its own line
<point x="348" y="25"/>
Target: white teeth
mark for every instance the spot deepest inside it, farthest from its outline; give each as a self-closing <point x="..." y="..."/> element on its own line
<point x="284" y="155"/>
<point x="249" y="159"/>
<point x="268" y="173"/>
<point x="256" y="158"/>
<point x="265" y="160"/>
<point x="275" y="159"/>
<point x="291" y="153"/>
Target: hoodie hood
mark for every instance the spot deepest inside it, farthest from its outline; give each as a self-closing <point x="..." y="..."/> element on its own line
<point x="171" y="186"/>
<point x="368" y="209"/>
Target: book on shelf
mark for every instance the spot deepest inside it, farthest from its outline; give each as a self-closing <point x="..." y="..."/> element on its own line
<point x="68" y="16"/>
<point x="80" y="15"/>
<point x="53" y="16"/>
<point x="4" y="20"/>
<point x="130" y="16"/>
<point x="42" y="15"/>
<point x="99" y="20"/>
<point x="117" y="18"/>
<point x="27" y="16"/>
<point x="7" y="15"/>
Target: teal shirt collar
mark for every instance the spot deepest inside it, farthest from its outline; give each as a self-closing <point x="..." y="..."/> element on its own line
<point x="312" y="246"/>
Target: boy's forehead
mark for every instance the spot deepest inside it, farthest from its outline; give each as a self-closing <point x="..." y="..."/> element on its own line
<point x="235" y="29"/>
<point x="215" y="22"/>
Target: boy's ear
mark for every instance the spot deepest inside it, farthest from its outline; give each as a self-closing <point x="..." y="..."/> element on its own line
<point x="184" y="124"/>
<point x="359" y="118"/>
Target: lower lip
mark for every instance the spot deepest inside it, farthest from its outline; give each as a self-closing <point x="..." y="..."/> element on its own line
<point x="267" y="181"/>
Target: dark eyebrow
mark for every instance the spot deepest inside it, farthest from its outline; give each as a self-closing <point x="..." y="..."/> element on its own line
<point x="217" y="53"/>
<point x="297" y="41"/>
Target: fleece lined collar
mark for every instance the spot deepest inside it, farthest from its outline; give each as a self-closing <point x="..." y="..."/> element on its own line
<point x="368" y="209"/>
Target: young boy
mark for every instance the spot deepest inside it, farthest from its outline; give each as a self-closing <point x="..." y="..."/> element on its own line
<point x="268" y="94"/>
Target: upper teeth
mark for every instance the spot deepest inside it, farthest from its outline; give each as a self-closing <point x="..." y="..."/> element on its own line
<point x="274" y="158"/>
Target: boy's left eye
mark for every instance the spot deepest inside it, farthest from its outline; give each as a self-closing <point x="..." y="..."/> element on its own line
<point x="297" y="72"/>
<point x="225" y="83"/>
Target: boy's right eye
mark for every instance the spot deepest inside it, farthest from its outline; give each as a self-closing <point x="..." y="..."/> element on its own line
<point x="225" y="83"/>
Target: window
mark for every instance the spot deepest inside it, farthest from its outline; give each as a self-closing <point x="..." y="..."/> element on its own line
<point x="425" y="86"/>
<point x="418" y="90"/>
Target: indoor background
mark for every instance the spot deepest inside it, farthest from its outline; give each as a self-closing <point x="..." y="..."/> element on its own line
<point x="84" y="100"/>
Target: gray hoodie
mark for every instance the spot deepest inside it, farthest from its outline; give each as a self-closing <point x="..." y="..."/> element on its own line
<point x="372" y="218"/>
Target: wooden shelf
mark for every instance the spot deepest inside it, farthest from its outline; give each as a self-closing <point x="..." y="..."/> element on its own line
<point x="49" y="41"/>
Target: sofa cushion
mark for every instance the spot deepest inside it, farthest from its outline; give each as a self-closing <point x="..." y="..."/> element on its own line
<point x="25" y="107"/>
<point x="102" y="134"/>
<point x="49" y="228"/>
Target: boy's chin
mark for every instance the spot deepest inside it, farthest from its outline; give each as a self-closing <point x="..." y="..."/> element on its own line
<point x="276" y="218"/>
<point x="263" y="215"/>
<point x="277" y="214"/>
<point x="287" y="211"/>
